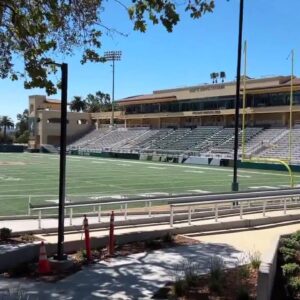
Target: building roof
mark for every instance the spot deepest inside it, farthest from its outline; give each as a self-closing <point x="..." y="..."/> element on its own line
<point x="254" y="85"/>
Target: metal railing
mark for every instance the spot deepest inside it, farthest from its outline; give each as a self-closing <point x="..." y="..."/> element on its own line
<point x="98" y="205"/>
<point x="237" y="203"/>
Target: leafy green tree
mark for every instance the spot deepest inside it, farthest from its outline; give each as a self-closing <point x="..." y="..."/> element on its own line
<point x="104" y="99"/>
<point x="22" y="130"/>
<point x="22" y="124"/>
<point x="40" y="30"/>
<point x="77" y="104"/>
<point x="98" y="102"/>
<point x="6" y="122"/>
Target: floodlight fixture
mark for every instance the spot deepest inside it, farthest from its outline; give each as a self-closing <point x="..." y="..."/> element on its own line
<point x="113" y="56"/>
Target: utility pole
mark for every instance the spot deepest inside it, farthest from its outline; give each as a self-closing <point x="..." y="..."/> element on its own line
<point x="235" y="184"/>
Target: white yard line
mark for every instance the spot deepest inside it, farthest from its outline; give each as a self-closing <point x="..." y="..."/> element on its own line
<point x="200" y="191"/>
<point x="264" y="187"/>
<point x="157" y="168"/>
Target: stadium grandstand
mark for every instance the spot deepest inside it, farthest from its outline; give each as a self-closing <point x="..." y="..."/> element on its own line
<point x="191" y="121"/>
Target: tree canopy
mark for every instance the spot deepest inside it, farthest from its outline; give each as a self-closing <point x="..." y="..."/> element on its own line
<point x="40" y="30"/>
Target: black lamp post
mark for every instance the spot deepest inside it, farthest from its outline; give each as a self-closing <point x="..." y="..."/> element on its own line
<point x="235" y="184"/>
<point x="62" y="164"/>
<point x="62" y="161"/>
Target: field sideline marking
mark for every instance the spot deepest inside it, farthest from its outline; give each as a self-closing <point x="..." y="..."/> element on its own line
<point x="217" y="169"/>
<point x="186" y="166"/>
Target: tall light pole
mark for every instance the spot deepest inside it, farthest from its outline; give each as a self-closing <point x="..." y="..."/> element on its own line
<point x="62" y="161"/>
<point x="113" y="56"/>
<point x="235" y="184"/>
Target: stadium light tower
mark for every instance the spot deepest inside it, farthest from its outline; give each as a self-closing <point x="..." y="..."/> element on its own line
<point x="235" y="184"/>
<point x="113" y="56"/>
<point x="62" y="161"/>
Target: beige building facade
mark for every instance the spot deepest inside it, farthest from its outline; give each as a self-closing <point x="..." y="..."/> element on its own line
<point x="267" y="103"/>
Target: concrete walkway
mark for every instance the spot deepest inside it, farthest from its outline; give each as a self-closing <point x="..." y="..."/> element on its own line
<point x="137" y="276"/>
<point x="248" y="240"/>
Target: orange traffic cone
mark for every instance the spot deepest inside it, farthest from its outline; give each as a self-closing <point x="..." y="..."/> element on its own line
<point x="44" y="266"/>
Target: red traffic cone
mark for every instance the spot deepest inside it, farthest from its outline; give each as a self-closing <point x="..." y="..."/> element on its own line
<point x="44" y="266"/>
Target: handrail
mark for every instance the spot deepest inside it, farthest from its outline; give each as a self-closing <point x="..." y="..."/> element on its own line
<point x="238" y="195"/>
<point x="237" y="201"/>
<point x="148" y="204"/>
<point x="269" y="198"/>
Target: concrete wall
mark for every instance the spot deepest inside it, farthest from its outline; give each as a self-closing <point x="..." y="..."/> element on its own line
<point x="267" y="272"/>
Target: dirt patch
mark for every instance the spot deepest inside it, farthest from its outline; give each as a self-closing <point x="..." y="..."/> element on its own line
<point x="20" y="239"/>
<point x="135" y="247"/>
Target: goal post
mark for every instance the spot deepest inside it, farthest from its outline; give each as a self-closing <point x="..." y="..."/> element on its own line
<point x="281" y="161"/>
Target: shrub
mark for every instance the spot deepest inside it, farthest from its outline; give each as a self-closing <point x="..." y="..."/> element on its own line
<point x="255" y="260"/>
<point x="153" y="244"/>
<point x="244" y="271"/>
<point x="290" y="269"/>
<point x="216" y="273"/>
<point x="81" y="255"/>
<point x="242" y="294"/>
<point x="27" y="237"/>
<point x="291" y="243"/>
<point x="296" y="236"/>
<point x="179" y="287"/>
<point x="288" y="254"/>
<point x="188" y="271"/>
<point x="5" y="233"/>
<point x="216" y="267"/>
<point x="168" y="238"/>
<point x="294" y="284"/>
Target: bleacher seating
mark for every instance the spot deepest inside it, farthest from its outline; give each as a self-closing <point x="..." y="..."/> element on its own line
<point x="89" y="138"/>
<point x="228" y="145"/>
<point x="170" y="140"/>
<point x="280" y="148"/>
<point x="211" y="141"/>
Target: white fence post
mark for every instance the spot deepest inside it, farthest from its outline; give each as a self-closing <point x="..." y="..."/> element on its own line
<point x="264" y="208"/>
<point x="99" y="213"/>
<point x="71" y="215"/>
<point x="190" y="215"/>
<point x="241" y="210"/>
<point x="172" y="216"/>
<point x="29" y="203"/>
<point x="125" y="211"/>
<point x="216" y="212"/>
<point x="40" y="219"/>
<point x="284" y="206"/>
<point x="149" y="207"/>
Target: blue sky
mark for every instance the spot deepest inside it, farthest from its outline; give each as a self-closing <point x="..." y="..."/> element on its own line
<point x="158" y="60"/>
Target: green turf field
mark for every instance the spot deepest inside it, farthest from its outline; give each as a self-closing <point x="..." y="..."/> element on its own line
<point x="27" y="174"/>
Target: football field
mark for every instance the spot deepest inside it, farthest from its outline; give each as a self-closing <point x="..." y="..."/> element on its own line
<point x="35" y="176"/>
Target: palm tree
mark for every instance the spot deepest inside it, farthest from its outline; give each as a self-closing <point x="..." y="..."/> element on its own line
<point x="214" y="76"/>
<point x="6" y="122"/>
<point x="78" y="104"/>
<point x="222" y="75"/>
